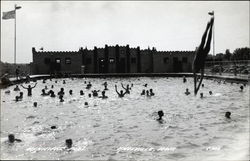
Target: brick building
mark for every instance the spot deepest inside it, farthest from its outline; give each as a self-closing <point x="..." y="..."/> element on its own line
<point x="112" y="59"/>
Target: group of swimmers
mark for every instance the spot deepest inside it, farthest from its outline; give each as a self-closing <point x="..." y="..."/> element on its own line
<point x="121" y="93"/>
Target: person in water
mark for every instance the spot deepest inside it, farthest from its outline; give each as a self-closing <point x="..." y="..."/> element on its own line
<point x="228" y="115"/>
<point x="151" y="92"/>
<point x="29" y="89"/>
<point x="68" y="143"/>
<point x="95" y="93"/>
<point x="241" y="88"/>
<point x="81" y="92"/>
<point x="184" y="79"/>
<point x="64" y="82"/>
<point x="16" y="88"/>
<point x="121" y="94"/>
<point x="210" y="92"/>
<point x="61" y="98"/>
<point x="12" y="139"/>
<point x="187" y="91"/>
<point x="201" y="95"/>
<point x="70" y="92"/>
<point x="201" y="54"/>
<point x="143" y="92"/>
<point x="44" y="93"/>
<point x="52" y="94"/>
<point x="103" y="95"/>
<point x="147" y="93"/>
<point x="20" y="97"/>
<point x="127" y="88"/>
<point x="61" y="92"/>
<point x="35" y="104"/>
<point x="160" y="114"/>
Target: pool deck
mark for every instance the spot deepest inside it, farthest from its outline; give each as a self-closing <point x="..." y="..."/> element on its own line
<point x="227" y="77"/>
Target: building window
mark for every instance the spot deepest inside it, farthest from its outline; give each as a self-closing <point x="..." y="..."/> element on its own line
<point x="46" y="60"/>
<point x="88" y="61"/>
<point x="166" y="60"/>
<point x="58" y="60"/>
<point x="67" y="60"/>
<point x="184" y="60"/>
<point x="133" y="60"/>
<point x="111" y="60"/>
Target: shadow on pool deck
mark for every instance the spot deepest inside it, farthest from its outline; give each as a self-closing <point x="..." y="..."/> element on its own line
<point x="230" y="78"/>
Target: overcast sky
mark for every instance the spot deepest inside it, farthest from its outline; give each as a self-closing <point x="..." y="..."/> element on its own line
<point x="176" y="25"/>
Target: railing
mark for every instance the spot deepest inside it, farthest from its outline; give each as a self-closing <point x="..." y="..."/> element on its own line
<point x="234" y="68"/>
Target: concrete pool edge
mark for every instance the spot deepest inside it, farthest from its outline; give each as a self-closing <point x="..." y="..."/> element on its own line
<point x="236" y="79"/>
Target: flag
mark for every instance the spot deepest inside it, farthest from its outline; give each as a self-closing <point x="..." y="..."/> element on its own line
<point x="9" y="15"/>
<point x="211" y="13"/>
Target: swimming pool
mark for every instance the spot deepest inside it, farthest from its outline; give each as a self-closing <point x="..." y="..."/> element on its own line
<point x="126" y="128"/>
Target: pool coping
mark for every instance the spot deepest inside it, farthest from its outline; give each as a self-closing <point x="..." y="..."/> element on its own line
<point x="236" y="79"/>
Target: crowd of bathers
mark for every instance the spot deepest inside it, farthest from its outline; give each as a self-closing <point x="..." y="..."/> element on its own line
<point x="96" y="94"/>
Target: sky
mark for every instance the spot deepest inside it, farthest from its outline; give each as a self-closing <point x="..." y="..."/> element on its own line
<point x="166" y="25"/>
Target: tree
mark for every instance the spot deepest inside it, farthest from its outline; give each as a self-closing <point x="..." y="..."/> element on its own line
<point x="227" y="55"/>
<point x="242" y="53"/>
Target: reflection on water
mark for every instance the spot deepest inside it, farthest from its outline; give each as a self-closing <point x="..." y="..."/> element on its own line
<point x="196" y="128"/>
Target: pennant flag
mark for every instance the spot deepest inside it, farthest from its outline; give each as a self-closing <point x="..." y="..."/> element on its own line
<point x="18" y="7"/>
<point x="9" y="15"/>
<point x="211" y="13"/>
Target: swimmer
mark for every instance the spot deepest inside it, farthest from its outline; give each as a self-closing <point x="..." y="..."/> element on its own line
<point x="227" y="115"/>
<point x="201" y="95"/>
<point x="143" y="92"/>
<point x="89" y="95"/>
<point x="68" y="143"/>
<point x="184" y="79"/>
<point x="29" y="89"/>
<point x="45" y="87"/>
<point x="160" y="114"/>
<point x="187" y="92"/>
<point x="126" y="89"/>
<point x="44" y="81"/>
<point x="121" y="94"/>
<point x="12" y="139"/>
<point x="35" y="104"/>
<point x="52" y="94"/>
<point x="44" y="93"/>
<point x="81" y="92"/>
<point x="89" y="86"/>
<point x="64" y="82"/>
<point x="210" y="92"/>
<point x="7" y="92"/>
<point x="95" y="93"/>
<point x="147" y="92"/>
<point x="202" y="85"/>
<point x="61" y="92"/>
<point x="70" y="92"/>
<point x="103" y="95"/>
<point x="53" y="127"/>
<point x="17" y="99"/>
<point x="105" y="87"/>
<point x="151" y="92"/>
<point x="61" y="98"/>
<point x="55" y="81"/>
<point x="52" y="86"/>
<point x="16" y="88"/>
<point x="241" y="88"/>
<point x="145" y="85"/>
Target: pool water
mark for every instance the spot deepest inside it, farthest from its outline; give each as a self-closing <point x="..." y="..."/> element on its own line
<point x="126" y="128"/>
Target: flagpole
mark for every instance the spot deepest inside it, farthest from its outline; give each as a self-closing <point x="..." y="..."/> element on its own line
<point x="213" y="36"/>
<point x="15" y="38"/>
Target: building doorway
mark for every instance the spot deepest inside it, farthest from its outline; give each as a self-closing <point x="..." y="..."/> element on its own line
<point x="177" y="65"/>
<point x="101" y="65"/>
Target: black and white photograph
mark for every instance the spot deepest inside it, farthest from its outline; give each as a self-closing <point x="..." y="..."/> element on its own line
<point x="125" y="80"/>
